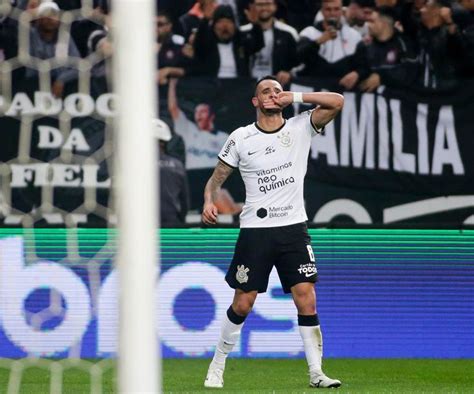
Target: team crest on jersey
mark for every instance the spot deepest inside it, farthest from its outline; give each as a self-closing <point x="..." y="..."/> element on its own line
<point x="285" y="139"/>
<point x="241" y="274"/>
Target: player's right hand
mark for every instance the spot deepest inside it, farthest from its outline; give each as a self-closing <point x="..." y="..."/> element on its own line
<point x="209" y="214"/>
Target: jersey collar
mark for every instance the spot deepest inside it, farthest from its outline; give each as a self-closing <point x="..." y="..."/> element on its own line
<point x="271" y="131"/>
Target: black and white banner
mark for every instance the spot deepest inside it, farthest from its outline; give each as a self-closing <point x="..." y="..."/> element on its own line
<point x="395" y="157"/>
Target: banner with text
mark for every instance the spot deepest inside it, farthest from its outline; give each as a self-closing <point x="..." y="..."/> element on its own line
<point x="391" y="157"/>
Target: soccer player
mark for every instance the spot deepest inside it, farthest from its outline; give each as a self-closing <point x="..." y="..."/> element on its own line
<point x="272" y="155"/>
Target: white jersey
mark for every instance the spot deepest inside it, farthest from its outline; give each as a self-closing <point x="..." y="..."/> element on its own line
<point x="273" y="166"/>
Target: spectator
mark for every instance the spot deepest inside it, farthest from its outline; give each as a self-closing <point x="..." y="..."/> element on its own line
<point x="278" y="56"/>
<point x="203" y="142"/>
<point x="171" y="60"/>
<point x="357" y="13"/>
<point x="463" y="16"/>
<point x="174" y="193"/>
<point x="439" y="47"/>
<point x="332" y="49"/>
<point x="301" y="13"/>
<point x="232" y="4"/>
<point x="47" y="41"/>
<point x="391" y="55"/>
<point x="223" y="51"/>
<point x="189" y="22"/>
<point x="175" y="9"/>
<point x="94" y="42"/>
<point x="81" y="30"/>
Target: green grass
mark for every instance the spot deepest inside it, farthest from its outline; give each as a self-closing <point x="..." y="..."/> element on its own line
<point x="283" y="376"/>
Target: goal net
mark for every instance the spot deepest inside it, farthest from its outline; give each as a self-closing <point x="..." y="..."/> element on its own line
<point x="75" y="125"/>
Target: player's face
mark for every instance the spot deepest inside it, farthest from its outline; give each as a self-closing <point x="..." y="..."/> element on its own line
<point x="332" y="9"/>
<point x="203" y="117"/>
<point x="267" y="90"/>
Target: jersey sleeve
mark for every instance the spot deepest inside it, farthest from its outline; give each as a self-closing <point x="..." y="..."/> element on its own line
<point x="229" y="153"/>
<point x="305" y="122"/>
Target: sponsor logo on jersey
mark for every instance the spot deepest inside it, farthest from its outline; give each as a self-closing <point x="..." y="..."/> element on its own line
<point x="262" y="213"/>
<point x="251" y="153"/>
<point x="269" y="150"/>
<point x="279" y="212"/>
<point x="274" y="169"/>
<point x="229" y="145"/>
<point x="269" y="183"/>
<point x="308" y="269"/>
<point x="241" y="274"/>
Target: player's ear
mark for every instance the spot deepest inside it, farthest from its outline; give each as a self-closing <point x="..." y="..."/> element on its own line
<point x="255" y="102"/>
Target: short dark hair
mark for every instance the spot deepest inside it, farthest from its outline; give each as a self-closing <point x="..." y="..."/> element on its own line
<point x="266" y="77"/>
<point x="208" y="105"/>
<point x="388" y="12"/>
<point x="364" y="3"/>
<point x="165" y="14"/>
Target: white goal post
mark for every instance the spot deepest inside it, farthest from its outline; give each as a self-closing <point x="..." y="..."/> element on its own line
<point x="136" y="192"/>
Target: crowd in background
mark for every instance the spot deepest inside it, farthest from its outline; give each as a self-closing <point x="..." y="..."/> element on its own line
<point x="361" y="44"/>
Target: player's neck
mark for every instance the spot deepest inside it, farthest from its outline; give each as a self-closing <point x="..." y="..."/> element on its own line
<point x="270" y="122"/>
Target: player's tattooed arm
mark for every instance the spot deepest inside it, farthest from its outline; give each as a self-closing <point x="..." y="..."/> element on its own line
<point x="211" y="192"/>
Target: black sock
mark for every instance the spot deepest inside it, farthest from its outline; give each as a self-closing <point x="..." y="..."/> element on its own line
<point x="234" y="317"/>
<point x="308" y="320"/>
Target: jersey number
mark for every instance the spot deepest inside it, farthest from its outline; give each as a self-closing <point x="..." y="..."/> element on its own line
<point x="310" y="253"/>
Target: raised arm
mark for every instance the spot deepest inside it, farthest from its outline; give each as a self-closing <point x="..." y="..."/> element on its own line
<point x="173" y="107"/>
<point x="328" y="104"/>
<point x="211" y="192"/>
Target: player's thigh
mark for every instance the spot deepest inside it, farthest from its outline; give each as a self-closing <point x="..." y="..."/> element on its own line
<point x="252" y="262"/>
<point x="304" y="297"/>
<point x="296" y="262"/>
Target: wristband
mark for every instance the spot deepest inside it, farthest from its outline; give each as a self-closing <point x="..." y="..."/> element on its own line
<point x="297" y="97"/>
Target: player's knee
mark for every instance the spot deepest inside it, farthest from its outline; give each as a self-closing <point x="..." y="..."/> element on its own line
<point x="243" y="305"/>
<point x="306" y="308"/>
<point x="305" y="301"/>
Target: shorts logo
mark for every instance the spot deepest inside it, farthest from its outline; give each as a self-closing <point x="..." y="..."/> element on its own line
<point x="308" y="269"/>
<point x="285" y="139"/>
<point x="241" y="274"/>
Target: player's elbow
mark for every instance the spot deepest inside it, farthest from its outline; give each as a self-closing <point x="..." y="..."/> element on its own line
<point x="338" y="102"/>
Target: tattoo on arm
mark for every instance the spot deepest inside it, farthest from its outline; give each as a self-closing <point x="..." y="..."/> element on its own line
<point x="220" y="174"/>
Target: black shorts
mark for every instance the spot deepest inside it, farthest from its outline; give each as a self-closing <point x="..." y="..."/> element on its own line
<point x="288" y="248"/>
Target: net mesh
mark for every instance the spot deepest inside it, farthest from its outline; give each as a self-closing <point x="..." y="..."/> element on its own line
<point x="56" y="114"/>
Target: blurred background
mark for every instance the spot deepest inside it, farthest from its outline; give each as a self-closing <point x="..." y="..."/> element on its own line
<point x="389" y="191"/>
